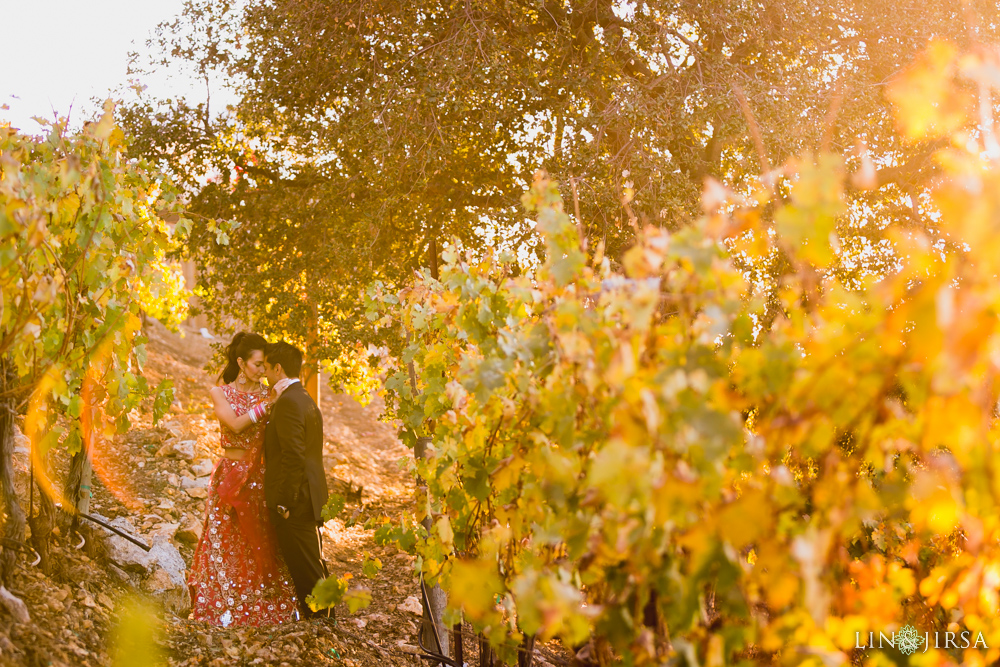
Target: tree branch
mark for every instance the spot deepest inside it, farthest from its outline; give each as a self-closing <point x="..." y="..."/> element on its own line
<point x="918" y="169"/>
<point x="758" y="141"/>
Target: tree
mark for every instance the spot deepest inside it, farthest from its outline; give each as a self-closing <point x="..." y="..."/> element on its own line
<point x="83" y="253"/>
<point x="365" y="133"/>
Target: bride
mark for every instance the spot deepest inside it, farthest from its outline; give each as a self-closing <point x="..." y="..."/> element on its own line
<point x="237" y="575"/>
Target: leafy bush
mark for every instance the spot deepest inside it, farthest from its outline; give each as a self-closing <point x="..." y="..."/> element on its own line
<point x="676" y="460"/>
<point x="84" y="252"/>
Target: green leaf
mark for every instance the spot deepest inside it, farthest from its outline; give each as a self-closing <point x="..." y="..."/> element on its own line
<point x="370" y="567"/>
<point x="49" y="440"/>
<point x="74" y="441"/>
<point x="74" y="407"/>
<point x="327" y="593"/>
<point x="334" y="506"/>
<point x="164" y="398"/>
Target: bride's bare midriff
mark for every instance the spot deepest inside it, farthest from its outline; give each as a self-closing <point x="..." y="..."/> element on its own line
<point x="234" y="453"/>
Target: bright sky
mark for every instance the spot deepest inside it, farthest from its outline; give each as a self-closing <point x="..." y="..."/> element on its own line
<point x="63" y="53"/>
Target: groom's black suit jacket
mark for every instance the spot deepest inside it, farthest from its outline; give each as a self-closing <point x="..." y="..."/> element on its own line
<point x="293" y="453"/>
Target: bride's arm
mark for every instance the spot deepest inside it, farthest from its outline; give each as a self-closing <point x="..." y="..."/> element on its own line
<point x="225" y="413"/>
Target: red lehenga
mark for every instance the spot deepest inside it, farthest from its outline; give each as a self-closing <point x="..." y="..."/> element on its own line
<point x="237" y="577"/>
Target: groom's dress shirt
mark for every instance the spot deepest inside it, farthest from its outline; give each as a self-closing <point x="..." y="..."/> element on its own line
<point x="283" y="384"/>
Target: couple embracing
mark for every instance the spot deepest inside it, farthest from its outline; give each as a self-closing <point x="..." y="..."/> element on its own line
<point x="259" y="554"/>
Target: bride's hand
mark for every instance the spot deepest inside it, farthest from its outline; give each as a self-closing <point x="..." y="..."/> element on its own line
<point x="280" y="386"/>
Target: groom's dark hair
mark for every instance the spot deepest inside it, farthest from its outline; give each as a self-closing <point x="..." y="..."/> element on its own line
<point x="286" y="355"/>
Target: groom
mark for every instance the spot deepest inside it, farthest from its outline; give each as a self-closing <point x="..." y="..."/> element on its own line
<point x="294" y="479"/>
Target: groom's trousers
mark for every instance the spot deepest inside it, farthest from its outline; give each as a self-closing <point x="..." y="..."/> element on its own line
<point x="298" y="538"/>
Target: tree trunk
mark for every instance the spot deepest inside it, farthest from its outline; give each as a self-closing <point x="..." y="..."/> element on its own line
<point x="310" y="365"/>
<point x="526" y="655"/>
<point x="79" y="479"/>
<point x="310" y="377"/>
<point x="437" y="599"/>
<point x="13" y="527"/>
<point x="653" y="620"/>
<point x="78" y="489"/>
<point x="458" y="652"/>
<point x="433" y="252"/>
<point x="486" y="655"/>
<point x="557" y="141"/>
<point x="604" y="654"/>
<point x="42" y="523"/>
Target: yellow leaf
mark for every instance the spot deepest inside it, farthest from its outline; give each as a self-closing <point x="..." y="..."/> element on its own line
<point x="474" y="586"/>
<point x="746" y="519"/>
<point x="902" y="579"/>
<point x="927" y="101"/>
<point x="446" y="534"/>
<point x="782" y="590"/>
<point x="943" y="515"/>
<point x="953" y="422"/>
<point x="68" y="206"/>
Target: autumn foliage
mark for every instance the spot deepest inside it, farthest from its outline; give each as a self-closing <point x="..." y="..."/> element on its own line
<point x="720" y="449"/>
<point x="84" y="253"/>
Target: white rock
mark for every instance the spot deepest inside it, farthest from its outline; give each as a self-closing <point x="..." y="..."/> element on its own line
<point x="15" y="606"/>
<point x="174" y="427"/>
<point x="407" y="648"/>
<point x="175" y="598"/>
<point x="164" y="532"/>
<point x="163" y="554"/>
<point x="173" y="480"/>
<point x="127" y="555"/>
<point x="412" y="605"/>
<point x="202" y="467"/>
<point x="200" y="483"/>
<point x="197" y="492"/>
<point x="170" y="589"/>
<point x="86" y="599"/>
<point x="191" y="531"/>
<point x="182" y="449"/>
<point x="120" y="575"/>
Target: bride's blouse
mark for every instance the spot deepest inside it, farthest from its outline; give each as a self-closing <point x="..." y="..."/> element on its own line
<point x="241" y="402"/>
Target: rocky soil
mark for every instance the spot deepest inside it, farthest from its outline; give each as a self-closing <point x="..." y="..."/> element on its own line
<point x="151" y="484"/>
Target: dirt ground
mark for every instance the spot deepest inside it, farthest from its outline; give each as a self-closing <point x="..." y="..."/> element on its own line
<point x="75" y="610"/>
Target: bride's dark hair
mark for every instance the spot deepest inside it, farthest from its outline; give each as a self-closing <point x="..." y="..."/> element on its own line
<point x="243" y="345"/>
